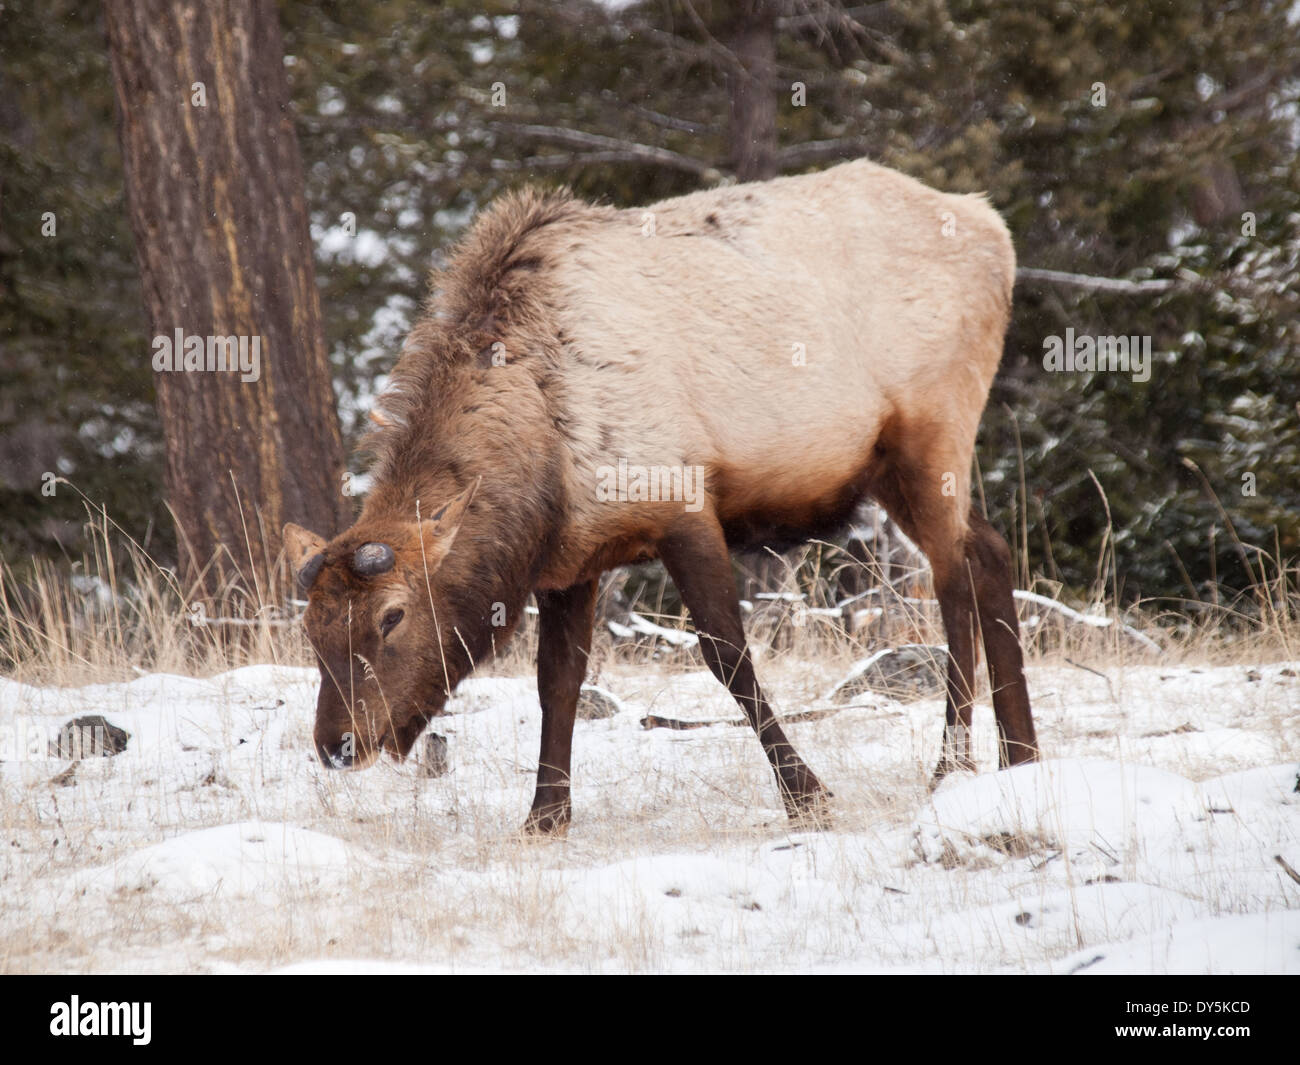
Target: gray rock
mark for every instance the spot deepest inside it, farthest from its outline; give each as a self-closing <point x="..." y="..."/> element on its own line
<point x="435" y="757"/>
<point x="91" y="736"/>
<point x="913" y="671"/>
<point x="595" y="703"/>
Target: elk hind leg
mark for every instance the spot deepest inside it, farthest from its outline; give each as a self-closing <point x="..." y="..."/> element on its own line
<point x="921" y="499"/>
<point x="989" y="561"/>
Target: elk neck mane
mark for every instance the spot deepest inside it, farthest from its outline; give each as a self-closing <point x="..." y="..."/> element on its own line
<point x="492" y="289"/>
<point x="451" y="413"/>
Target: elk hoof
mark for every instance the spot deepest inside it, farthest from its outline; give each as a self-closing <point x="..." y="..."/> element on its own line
<point x="810" y="810"/>
<point x="950" y="765"/>
<point x="549" y="823"/>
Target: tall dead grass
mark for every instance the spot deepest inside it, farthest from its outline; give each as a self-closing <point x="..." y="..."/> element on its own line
<point x="117" y="613"/>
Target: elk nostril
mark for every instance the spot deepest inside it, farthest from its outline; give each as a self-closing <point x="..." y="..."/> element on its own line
<point x="339" y="758"/>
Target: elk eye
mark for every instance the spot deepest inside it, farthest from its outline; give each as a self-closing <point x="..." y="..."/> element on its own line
<point x="390" y="621"/>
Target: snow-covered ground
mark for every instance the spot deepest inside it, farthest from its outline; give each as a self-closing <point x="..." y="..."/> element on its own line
<point x="1147" y="842"/>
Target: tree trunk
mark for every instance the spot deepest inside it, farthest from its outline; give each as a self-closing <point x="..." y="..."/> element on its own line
<point x="215" y="195"/>
<point x="751" y="39"/>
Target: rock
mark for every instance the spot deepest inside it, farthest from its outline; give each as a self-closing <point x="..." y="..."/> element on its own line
<point x="91" y="736"/>
<point x="435" y="757"/>
<point x="595" y="703"/>
<point x="913" y="671"/>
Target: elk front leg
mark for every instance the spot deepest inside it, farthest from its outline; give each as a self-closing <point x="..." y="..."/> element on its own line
<point x="563" y="644"/>
<point x="695" y="555"/>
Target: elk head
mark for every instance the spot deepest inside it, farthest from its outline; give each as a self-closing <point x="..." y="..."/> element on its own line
<point x="385" y="628"/>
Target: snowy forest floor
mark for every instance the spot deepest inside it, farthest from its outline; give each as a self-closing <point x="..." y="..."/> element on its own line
<point x="1147" y="841"/>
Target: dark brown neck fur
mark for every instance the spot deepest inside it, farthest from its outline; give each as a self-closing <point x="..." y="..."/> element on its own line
<point x="453" y="413"/>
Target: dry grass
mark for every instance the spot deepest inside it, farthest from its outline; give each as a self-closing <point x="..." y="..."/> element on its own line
<point x="117" y="613"/>
<point x="440" y="868"/>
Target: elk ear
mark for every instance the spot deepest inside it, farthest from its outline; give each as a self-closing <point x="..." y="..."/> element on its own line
<point x="303" y="549"/>
<point x="439" y="532"/>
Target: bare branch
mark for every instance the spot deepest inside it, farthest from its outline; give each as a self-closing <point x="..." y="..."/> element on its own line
<point x="565" y="160"/>
<point x="632" y="151"/>
<point x="1277" y="858"/>
<point x="1096" y="284"/>
<point x="657" y="118"/>
<point x="815" y="714"/>
<point x="825" y="22"/>
<point x="830" y="16"/>
<point x="1252" y="92"/>
<point x="693" y="50"/>
<point x="812" y="151"/>
<point x="719" y="49"/>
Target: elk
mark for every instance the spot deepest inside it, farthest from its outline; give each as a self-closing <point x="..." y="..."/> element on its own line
<point x="801" y="344"/>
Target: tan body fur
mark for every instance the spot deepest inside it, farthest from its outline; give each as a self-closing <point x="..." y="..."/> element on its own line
<point x="696" y="326"/>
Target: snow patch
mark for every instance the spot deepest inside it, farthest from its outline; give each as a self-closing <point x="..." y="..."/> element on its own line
<point x="248" y="858"/>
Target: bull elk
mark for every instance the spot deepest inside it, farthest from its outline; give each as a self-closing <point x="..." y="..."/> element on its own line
<point x="786" y="349"/>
